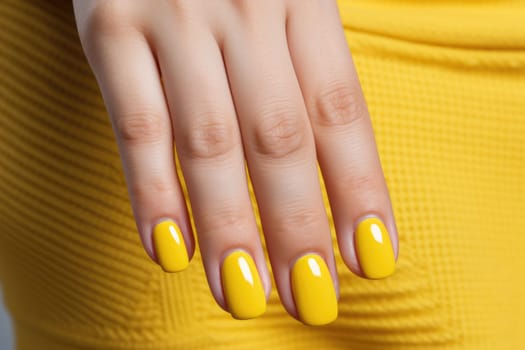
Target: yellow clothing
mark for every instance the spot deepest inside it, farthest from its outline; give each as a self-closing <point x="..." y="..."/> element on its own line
<point x="445" y="85"/>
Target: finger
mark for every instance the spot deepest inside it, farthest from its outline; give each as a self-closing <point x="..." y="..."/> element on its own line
<point x="344" y="138"/>
<point x="211" y="154"/>
<point x="279" y="147"/>
<point x="130" y="83"/>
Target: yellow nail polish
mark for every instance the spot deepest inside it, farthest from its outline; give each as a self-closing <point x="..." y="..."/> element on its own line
<point x="242" y="286"/>
<point x="313" y="291"/>
<point x="170" y="247"/>
<point x="374" y="249"/>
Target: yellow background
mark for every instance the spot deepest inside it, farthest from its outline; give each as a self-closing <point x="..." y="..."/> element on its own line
<point x="445" y="85"/>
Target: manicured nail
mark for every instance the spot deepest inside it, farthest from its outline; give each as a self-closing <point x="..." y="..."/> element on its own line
<point x="242" y="286"/>
<point x="170" y="247"/>
<point x="374" y="249"/>
<point x="313" y="291"/>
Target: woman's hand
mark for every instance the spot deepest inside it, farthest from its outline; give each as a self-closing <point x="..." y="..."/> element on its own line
<point x="271" y="82"/>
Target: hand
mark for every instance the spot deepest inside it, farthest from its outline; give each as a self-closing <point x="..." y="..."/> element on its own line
<point x="271" y="82"/>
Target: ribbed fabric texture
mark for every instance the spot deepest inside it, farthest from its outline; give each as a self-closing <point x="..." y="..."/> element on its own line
<point x="445" y="85"/>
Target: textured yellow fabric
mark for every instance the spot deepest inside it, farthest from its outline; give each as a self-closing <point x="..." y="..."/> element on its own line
<point x="445" y="84"/>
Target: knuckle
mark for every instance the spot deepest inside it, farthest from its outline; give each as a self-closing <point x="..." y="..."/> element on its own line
<point x="299" y="220"/>
<point x="364" y="183"/>
<point x="223" y="222"/>
<point x="279" y="132"/>
<point x="208" y="139"/>
<point x="140" y="128"/>
<point x="153" y="189"/>
<point x="110" y="18"/>
<point x="338" y="105"/>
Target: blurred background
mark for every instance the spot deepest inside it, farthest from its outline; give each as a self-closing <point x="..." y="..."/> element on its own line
<point x="6" y="330"/>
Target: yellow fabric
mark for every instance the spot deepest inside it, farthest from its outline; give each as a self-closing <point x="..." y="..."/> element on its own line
<point x="445" y="84"/>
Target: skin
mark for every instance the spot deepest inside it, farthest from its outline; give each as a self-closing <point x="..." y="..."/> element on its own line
<point x="271" y="82"/>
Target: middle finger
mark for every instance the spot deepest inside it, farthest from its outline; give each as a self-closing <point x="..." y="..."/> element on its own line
<point x="280" y="150"/>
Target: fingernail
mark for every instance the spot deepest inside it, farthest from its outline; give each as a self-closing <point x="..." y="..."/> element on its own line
<point x="242" y="286"/>
<point x="374" y="249"/>
<point x="313" y="291"/>
<point x="170" y="247"/>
